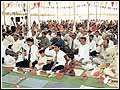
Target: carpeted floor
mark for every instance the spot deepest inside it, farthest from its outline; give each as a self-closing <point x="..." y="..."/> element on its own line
<point x="92" y="82"/>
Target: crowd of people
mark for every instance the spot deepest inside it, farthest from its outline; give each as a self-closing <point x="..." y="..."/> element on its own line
<point x="52" y="46"/>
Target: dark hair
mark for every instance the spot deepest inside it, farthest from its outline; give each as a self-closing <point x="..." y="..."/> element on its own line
<point x="42" y="51"/>
<point x="58" y="34"/>
<point x="44" y="33"/>
<point x="49" y="31"/>
<point x="97" y="31"/>
<point x="30" y="39"/>
<point x="91" y="36"/>
<point x="12" y="18"/>
<point x="83" y="38"/>
<point x="70" y="55"/>
<point x="17" y="35"/>
<point x="57" y="44"/>
<point x="10" y="46"/>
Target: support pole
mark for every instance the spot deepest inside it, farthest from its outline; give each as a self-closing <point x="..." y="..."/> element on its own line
<point x="28" y="14"/>
<point x="96" y="11"/>
<point x="74" y="28"/>
<point x="4" y="12"/>
<point x="57" y="10"/>
<point x="88" y="28"/>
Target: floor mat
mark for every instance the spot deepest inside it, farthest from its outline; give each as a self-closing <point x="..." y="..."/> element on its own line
<point x="78" y="72"/>
<point x="10" y="79"/>
<point x="87" y="87"/>
<point x="33" y="83"/>
<point x="62" y="85"/>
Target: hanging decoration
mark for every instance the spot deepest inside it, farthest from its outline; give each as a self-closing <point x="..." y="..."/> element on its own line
<point x="38" y="4"/>
<point x="34" y="5"/>
<point x="112" y="3"/>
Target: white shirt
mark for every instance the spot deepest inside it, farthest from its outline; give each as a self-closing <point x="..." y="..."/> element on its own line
<point x="47" y="50"/>
<point x="29" y="34"/>
<point x="9" y="60"/>
<point x="81" y="35"/>
<point x="110" y="43"/>
<point x="11" y="23"/>
<point x="92" y="45"/>
<point x="5" y="43"/>
<point x="10" y="38"/>
<point x="35" y="40"/>
<point x="97" y="39"/>
<point x="34" y="52"/>
<point x="16" y="46"/>
<point x="49" y="37"/>
<point x="84" y="51"/>
<point x="60" y="56"/>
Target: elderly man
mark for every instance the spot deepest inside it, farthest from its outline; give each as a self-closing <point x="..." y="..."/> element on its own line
<point x="105" y="55"/>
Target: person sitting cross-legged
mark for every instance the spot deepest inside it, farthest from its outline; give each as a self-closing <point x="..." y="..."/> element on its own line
<point x="44" y="61"/>
<point x="59" y="59"/>
<point x="69" y="67"/>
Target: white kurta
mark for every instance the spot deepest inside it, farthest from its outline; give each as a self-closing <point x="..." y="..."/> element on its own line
<point x="60" y="56"/>
<point x="83" y="53"/>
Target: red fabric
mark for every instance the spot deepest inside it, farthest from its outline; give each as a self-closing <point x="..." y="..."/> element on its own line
<point x="101" y="80"/>
<point x="33" y="72"/>
<point x="59" y="75"/>
<point x="16" y="86"/>
<point x="94" y="28"/>
<point x="9" y="69"/>
<point x="112" y="3"/>
<point x="38" y="4"/>
<point x="96" y="73"/>
<point x="84" y="77"/>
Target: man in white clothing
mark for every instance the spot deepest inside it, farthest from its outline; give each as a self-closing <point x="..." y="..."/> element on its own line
<point x="31" y="54"/>
<point x="92" y="45"/>
<point x="59" y="58"/>
<point x="97" y="37"/>
<point x="83" y="53"/>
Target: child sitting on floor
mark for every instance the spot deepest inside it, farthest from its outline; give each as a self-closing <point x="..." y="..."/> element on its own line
<point x="43" y="60"/>
<point x="69" y="67"/>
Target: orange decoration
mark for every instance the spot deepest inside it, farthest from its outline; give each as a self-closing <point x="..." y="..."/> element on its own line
<point x="59" y="75"/>
<point x="9" y="69"/>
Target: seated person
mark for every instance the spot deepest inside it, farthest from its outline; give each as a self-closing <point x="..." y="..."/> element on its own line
<point x="9" y="51"/>
<point x="69" y="67"/>
<point x="43" y="60"/>
<point x="105" y="55"/>
<point x="83" y="52"/>
<point x="31" y="51"/>
<point x="59" y="58"/>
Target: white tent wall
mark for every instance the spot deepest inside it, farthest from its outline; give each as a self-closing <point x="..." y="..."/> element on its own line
<point x="65" y="11"/>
